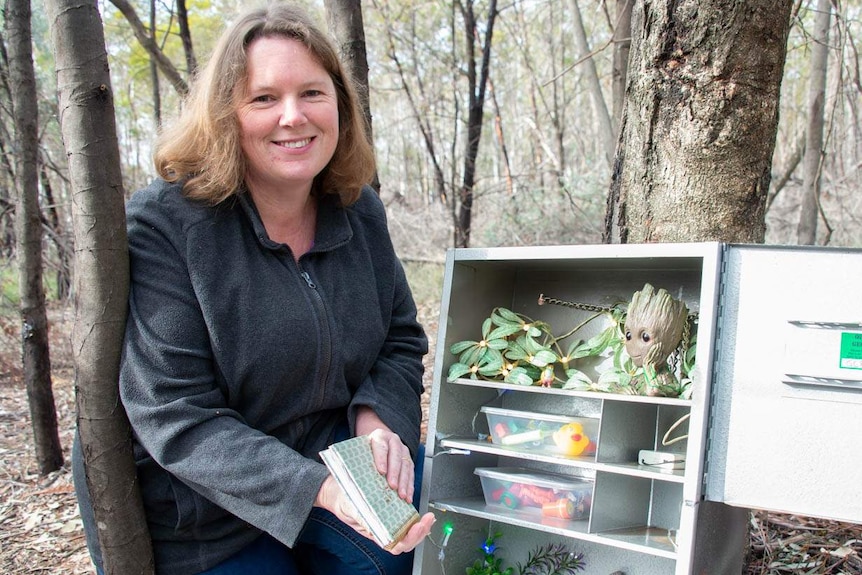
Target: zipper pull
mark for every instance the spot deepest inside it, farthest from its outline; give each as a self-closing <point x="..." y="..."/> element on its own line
<point x="307" y="279"/>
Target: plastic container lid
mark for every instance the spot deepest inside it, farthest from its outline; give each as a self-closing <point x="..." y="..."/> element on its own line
<point x="540" y="479"/>
<point x="528" y="415"/>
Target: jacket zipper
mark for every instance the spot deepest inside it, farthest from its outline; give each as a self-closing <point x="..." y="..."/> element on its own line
<point x="325" y="332"/>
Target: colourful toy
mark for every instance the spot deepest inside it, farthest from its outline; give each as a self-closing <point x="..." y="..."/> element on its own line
<point x="571" y="439"/>
<point x="523" y="437"/>
<point x="563" y="508"/>
<point x="501" y="429"/>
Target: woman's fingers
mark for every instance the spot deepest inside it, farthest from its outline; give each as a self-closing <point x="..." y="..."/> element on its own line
<point x="392" y="457"/>
<point x="415" y="535"/>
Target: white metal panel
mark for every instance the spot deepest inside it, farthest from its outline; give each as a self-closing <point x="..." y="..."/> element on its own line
<point x="786" y="420"/>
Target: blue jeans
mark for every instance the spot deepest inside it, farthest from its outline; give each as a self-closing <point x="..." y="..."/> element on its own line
<point x="326" y="546"/>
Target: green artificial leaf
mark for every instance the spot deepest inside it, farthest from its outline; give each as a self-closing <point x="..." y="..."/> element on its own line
<point x="504" y="331"/>
<point x="543" y="357"/>
<point x="577" y="380"/>
<point x="457" y="370"/>
<point x="507" y="315"/>
<point x="486" y="328"/>
<point x="516" y="349"/>
<point x="473" y="355"/>
<point x="492" y="364"/>
<point x="498" y="344"/>
<point x="462" y="346"/>
<point x="519" y="376"/>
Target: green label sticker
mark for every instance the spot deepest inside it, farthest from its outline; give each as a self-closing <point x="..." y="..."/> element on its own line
<point x="851" y="351"/>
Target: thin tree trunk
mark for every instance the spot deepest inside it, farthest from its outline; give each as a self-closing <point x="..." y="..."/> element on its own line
<point x="344" y="18"/>
<point x="812" y="161"/>
<point x="186" y="37"/>
<point x="154" y="69"/>
<point x="607" y="133"/>
<point x="101" y="282"/>
<point x="64" y="269"/>
<point x="28" y="233"/>
<point x="622" y="46"/>
<point x="700" y="119"/>
<point x="475" y="113"/>
<point x="501" y="140"/>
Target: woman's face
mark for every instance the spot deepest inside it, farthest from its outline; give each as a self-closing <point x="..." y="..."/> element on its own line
<point x="288" y="116"/>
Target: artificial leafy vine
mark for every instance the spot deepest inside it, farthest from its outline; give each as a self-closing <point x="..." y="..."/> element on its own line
<point x="519" y="350"/>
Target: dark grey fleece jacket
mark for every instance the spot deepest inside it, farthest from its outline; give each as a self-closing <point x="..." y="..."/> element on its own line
<point x="239" y="363"/>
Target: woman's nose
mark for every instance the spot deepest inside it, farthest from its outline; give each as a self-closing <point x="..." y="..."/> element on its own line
<point x="292" y="113"/>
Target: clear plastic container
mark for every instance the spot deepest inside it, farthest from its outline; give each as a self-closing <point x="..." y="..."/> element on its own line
<point x="551" y="434"/>
<point x="542" y="493"/>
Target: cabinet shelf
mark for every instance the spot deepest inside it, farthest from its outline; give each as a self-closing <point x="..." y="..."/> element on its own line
<point x="570" y="392"/>
<point x="630" y="469"/>
<point x="650" y="540"/>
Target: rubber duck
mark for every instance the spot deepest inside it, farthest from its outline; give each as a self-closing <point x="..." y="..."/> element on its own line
<point x="571" y="439"/>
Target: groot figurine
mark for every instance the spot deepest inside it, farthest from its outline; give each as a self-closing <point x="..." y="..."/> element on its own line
<point x="653" y="330"/>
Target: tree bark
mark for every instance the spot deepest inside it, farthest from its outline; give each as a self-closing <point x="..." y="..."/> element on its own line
<point x="700" y="119"/>
<point x="475" y="113"/>
<point x="600" y="107"/>
<point x="28" y="233"/>
<point x="101" y="282"/>
<point x="154" y="70"/>
<point x="622" y="46"/>
<point x="812" y="160"/>
<point x="186" y="37"/>
<point x="344" y="18"/>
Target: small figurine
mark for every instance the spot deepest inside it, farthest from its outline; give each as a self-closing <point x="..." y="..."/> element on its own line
<point x="571" y="439"/>
<point x="653" y="330"/>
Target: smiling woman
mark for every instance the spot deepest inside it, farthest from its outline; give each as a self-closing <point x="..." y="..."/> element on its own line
<point x="288" y="121"/>
<point x="232" y="386"/>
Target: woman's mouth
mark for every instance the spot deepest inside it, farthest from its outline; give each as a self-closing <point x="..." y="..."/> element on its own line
<point x="294" y="144"/>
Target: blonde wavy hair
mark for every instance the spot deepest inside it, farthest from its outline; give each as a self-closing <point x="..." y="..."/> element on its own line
<point x="202" y="147"/>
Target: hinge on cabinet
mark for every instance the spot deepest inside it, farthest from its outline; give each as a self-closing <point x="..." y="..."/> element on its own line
<point x="719" y="324"/>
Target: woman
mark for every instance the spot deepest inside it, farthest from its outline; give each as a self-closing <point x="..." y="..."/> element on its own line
<point x="268" y="318"/>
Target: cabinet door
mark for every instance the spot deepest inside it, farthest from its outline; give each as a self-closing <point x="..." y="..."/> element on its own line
<point x="786" y="429"/>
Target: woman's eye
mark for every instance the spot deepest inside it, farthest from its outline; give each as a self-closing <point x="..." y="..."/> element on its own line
<point x="313" y="93"/>
<point x="262" y="98"/>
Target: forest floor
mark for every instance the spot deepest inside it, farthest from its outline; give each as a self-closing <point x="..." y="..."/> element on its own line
<point x="40" y="529"/>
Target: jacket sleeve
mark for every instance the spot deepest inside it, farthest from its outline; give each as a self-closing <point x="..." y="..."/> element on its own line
<point x="393" y="388"/>
<point x="178" y="412"/>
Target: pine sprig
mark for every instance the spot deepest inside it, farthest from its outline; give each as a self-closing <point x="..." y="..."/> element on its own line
<point x="552" y="559"/>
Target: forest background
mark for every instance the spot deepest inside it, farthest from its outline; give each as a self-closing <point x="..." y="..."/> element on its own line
<point x="541" y="174"/>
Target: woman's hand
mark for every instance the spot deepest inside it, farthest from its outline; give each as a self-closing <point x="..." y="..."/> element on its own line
<point x="391" y="456"/>
<point x="333" y="499"/>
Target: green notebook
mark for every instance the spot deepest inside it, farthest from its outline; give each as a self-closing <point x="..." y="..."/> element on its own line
<point x="387" y="516"/>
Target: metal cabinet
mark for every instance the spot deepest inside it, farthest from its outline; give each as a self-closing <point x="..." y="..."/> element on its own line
<point x="642" y="519"/>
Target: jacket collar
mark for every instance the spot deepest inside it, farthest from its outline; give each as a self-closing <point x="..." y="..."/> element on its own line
<point x="332" y="230"/>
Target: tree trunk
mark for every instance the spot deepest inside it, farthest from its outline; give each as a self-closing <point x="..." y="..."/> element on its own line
<point x="101" y="282"/>
<point x="607" y="134"/>
<point x="812" y="161"/>
<point x="622" y="46"/>
<point x="475" y="113"/>
<point x="56" y="232"/>
<point x="344" y="18"/>
<point x="154" y="70"/>
<point x="186" y="37"/>
<point x="28" y="233"/>
<point x="699" y="123"/>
